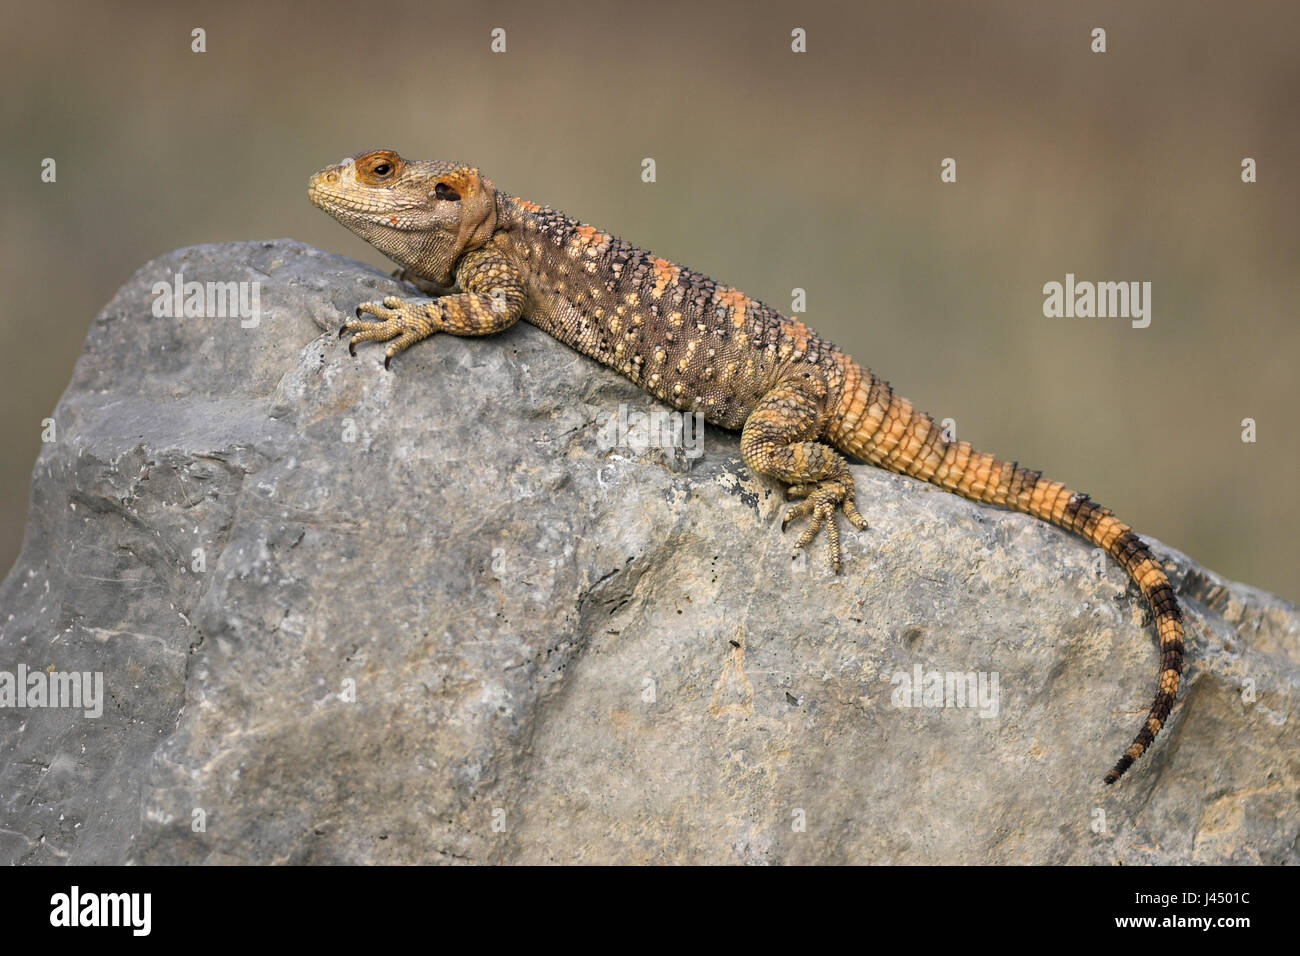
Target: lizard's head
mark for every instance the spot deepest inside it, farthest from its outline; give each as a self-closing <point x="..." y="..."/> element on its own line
<point x="423" y="215"/>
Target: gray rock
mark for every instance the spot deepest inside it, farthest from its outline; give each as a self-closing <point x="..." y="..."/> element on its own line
<point x="350" y="616"/>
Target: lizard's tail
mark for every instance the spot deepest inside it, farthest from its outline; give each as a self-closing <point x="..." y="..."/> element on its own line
<point x="874" y="424"/>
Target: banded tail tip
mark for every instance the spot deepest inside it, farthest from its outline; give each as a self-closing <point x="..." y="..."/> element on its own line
<point x="1117" y="771"/>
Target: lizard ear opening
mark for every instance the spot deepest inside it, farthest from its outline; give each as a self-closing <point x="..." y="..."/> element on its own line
<point x="443" y="191"/>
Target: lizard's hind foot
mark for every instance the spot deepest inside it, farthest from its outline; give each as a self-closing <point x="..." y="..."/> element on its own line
<point x="821" y="499"/>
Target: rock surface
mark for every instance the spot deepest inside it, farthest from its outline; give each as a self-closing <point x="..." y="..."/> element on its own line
<point x="349" y="616"/>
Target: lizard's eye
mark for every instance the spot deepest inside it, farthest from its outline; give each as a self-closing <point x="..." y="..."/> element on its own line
<point x="443" y="191"/>
<point x="379" y="168"/>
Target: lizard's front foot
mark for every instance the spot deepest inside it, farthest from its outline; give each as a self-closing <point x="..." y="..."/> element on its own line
<point x="821" y="499"/>
<point x="402" y="322"/>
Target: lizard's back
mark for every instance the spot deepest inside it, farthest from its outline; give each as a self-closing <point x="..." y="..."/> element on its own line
<point x="684" y="338"/>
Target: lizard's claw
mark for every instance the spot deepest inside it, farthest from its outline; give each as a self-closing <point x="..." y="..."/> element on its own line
<point x="401" y="324"/>
<point x="821" y="499"/>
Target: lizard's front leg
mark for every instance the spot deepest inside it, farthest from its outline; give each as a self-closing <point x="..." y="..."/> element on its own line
<point x="779" y="439"/>
<point x="493" y="300"/>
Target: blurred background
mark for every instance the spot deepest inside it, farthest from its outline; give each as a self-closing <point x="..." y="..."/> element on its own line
<point x="775" y="170"/>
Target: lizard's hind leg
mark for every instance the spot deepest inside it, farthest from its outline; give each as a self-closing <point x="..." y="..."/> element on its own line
<point x="779" y="439"/>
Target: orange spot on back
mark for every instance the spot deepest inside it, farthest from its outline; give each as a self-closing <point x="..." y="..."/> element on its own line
<point x="665" y="275"/>
<point x="737" y="301"/>
<point x="525" y="204"/>
<point x="588" y="235"/>
<point x="798" y="332"/>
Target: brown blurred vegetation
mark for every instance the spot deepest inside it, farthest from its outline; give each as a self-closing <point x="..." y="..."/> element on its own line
<point x="775" y="170"/>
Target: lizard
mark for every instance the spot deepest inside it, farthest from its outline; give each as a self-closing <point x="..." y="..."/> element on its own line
<point x="487" y="259"/>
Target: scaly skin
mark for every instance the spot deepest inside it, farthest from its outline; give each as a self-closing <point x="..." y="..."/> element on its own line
<point x="491" y="259"/>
